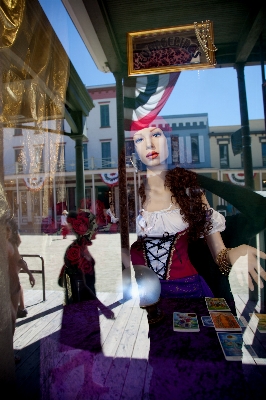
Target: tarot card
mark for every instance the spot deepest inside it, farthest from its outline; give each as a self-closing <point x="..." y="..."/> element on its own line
<point x="224" y="321"/>
<point x="185" y="322"/>
<point x="207" y="321"/>
<point x="216" y="304"/>
<point x="231" y="344"/>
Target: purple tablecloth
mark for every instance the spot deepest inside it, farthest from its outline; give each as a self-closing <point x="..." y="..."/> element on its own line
<point x="183" y="366"/>
<point x="191" y="365"/>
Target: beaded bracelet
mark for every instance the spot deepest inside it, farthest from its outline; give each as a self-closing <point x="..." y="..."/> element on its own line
<point x="221" y="260"/>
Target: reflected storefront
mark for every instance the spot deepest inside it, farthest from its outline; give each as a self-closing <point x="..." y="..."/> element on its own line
<point x="36" y="201"/>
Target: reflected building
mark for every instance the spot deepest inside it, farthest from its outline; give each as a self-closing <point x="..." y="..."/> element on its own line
<point x="40" y="164"/>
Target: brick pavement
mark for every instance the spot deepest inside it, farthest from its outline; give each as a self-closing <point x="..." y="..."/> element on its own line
<point x="107" y="254"/>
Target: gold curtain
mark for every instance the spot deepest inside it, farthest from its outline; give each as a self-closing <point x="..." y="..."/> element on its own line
<point x="34" y="64"/>
<point x="34" y="74"/>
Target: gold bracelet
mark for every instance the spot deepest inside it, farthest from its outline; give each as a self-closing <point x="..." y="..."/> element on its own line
<point x="221" y="260"/>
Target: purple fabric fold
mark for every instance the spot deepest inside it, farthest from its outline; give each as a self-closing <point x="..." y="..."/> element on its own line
<point x="193" y="286"/>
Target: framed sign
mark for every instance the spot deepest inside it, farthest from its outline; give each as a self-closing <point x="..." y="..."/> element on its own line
<point x="171" y="49"/>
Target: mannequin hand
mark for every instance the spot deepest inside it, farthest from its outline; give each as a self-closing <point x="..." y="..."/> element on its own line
<point x="245" y="262"/>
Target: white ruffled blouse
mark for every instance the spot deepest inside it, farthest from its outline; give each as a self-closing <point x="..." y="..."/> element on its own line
<point x="170" y="221"/>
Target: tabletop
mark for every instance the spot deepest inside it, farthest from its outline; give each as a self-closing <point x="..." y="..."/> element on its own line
<point x="78" y="353"/>
<point x="192" y="365"/>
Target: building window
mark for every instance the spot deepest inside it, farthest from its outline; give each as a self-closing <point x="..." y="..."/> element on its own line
<point x="18" y="132"/>
<point x="85" y="156"/>
<point x="175" y="149"/>
<point x="195" y="149"/>
<point x="104" y="115"/>
<point x="106" y="154"/>
<point x="61" y="165"/>
<point x="224" y="159"/>
<point x="129" y="149"/>
<point x="39" y="165"/>
<point x="19" y="158"/>
<point x="263" y="149"/>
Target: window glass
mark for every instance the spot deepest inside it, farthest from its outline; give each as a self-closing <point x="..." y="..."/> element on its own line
<point x="19" y="160"/>
<point x="39" y="165"/>
<point x="17" y="132"/>
<point x="224" y="161"/>
<point x="130" y="148"/>
<point x="195" y="149"/>
<point x="85" y="156"/>
<point x="61" y="158"/>
<point x="175" y="149"/>
<point x="106" y="155"/>
<point x="263" y="149"/>
<point x="43" y="106"/>
<point x="104" y="109"/>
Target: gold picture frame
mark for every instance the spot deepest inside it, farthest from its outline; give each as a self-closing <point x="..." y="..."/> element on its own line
<point x="172" y="49"/>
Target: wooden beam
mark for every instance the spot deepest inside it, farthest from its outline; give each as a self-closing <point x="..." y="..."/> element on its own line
<point x="252" y="29"/>
<point x="70" y="121"/>
<point x="77" y="96"/>
<point x="100" y="21"/>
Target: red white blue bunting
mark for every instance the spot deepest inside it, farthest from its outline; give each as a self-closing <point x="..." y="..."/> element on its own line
<point x="35" y="182"/>
<point x="110" y="179"/>
<point x="144" y="97"/>
<point x="238" y="179"/>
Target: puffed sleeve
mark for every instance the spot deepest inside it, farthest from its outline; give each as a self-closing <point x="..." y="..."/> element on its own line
<point x="218" y="222"/>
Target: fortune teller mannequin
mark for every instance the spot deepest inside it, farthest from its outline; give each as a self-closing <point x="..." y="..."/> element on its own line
<point x="176" y="211"/>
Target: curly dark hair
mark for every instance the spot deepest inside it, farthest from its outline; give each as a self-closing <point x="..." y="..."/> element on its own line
<point x="187" y="193"/>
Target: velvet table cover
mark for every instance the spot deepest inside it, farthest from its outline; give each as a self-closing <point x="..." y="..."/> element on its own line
<point x="178" y="365"/>
<point x="191" y="365"/>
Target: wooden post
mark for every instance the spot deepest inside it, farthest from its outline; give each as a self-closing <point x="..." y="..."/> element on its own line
<point x="123" y="201"/>
<point x="246" y="141"/>
<point x="78" y="137"/>
<point x="80" y="184"/>
<point x="263" y="79"/>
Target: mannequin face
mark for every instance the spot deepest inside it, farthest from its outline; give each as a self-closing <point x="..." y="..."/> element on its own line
<point x="151" y="146"/>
